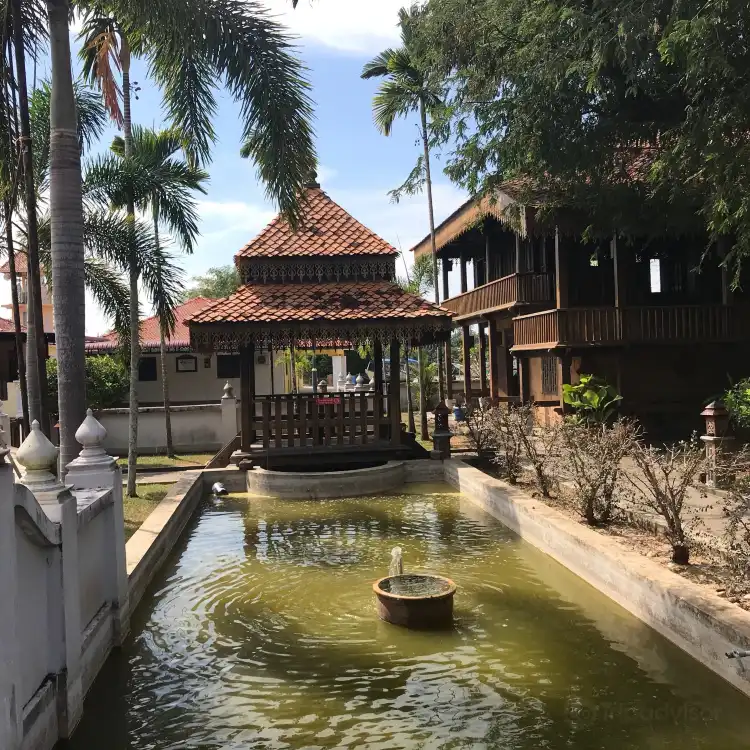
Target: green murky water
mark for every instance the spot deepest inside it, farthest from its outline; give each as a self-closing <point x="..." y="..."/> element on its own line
<point x="261" y="633"/>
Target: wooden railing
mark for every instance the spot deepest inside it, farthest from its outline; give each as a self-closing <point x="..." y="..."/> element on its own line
<point x="635" y="325"/>
<point x="303" y="420"/>
<point x="525" y="288"/>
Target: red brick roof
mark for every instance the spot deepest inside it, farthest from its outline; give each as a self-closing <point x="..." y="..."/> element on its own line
<point x="7" y="326"/>
<point x="150" y="339"/>
<point x="21" y="266"/>
<point x="326" y="230"/>
<point x="324" y="302"/>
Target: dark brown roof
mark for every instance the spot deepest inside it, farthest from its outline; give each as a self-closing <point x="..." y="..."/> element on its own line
<point x="324" y="302"/>
<point x="326" y="230"/>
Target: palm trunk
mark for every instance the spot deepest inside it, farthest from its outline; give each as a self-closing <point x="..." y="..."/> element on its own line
<point x="66" y="211"/>
<point x="423" y="432"/>
<point x="163" y="354"/>
<point x="35" y="341"/>
<point x="428" y="177"/>
<point x="409" y="403"/>
<point x="16" y="316"/>
<point x="135" y="343"/>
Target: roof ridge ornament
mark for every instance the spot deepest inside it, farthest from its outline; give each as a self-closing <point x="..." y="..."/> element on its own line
<point x="312" y="180"/>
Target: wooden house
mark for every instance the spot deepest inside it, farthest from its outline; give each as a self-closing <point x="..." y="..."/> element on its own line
<point x="656" y="317"/>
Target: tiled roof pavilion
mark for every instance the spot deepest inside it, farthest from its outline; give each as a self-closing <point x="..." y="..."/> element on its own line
<point x="332" y="278"/>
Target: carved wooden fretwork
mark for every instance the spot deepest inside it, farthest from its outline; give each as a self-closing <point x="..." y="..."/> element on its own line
<point x="290" y="270"/>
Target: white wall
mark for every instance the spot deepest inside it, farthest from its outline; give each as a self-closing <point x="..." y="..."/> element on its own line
<point x="205" y="384"/>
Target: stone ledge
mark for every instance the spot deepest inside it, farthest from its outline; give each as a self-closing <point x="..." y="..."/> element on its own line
<point x="700" y="622"/>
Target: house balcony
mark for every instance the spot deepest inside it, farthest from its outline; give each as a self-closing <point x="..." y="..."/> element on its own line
<point x="610" y="326"/>
<point x="502" y="294"/>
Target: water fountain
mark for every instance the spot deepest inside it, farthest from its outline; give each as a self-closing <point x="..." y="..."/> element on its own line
<point x="414" y="600"/>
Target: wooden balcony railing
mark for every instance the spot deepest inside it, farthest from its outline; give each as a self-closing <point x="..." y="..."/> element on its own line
<point x="634" y="325"/>
<point x="516" y="289"/>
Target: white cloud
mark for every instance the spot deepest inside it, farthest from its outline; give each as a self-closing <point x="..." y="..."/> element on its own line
<point x="353" y="26"/>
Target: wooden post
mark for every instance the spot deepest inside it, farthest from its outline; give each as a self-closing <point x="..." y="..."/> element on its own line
<point x="394" y="394"/>
<point x="619" y="271"/>
<point x="517" y="264"/>
<point x="475" y="272"/>
<point x="466" y="336"/>
<point x="523" y="379"/>
<point x="448" y="369"/>
<point x="487" y="260"/>
<point x="446" y="267"/>
<point x="247" y="394"/>
<point x="564" y="362"/>
<point x="377" y="355"/>
<point x="494" y="363"/>
<point x="726" y="284"/>
<point x="483" y="361"/>
<point x="561" y="272"/>
<point x="464" y="282"/>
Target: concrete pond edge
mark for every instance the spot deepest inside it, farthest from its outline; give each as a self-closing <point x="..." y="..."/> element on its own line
<point x="698" y="621"/>
<point x="701" y="623"/>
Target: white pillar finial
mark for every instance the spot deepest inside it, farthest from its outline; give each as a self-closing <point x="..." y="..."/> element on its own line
<point x="93" y="467"/>
<point x="228" y="391"/>
<point x="38" y="457"/>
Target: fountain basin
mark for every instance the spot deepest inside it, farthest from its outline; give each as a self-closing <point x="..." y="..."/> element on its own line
<point x="415" y="600"/>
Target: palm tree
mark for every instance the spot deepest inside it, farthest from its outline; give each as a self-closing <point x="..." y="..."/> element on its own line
<point x="408" y="88"/>
<point x="192" y="47"/>
<point x="170" y="201"/>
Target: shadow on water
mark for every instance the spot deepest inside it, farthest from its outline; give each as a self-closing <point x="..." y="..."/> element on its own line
<point x="261" y="633"/>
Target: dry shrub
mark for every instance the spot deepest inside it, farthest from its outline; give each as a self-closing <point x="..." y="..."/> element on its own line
<point x="736" y="467"/>
<point x="506" y="440"/>
<point x="591" y="460"/>
<point x="481" y="426"/>
<point x="662" y="479"/>
<point x="540" y="448"/>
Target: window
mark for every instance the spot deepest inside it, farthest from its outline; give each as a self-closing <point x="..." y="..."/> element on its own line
<point x="654" y="267"/>
<point x="549" y="375"/>
<point x="147" y="369"/>
<point x="227" y="366"/>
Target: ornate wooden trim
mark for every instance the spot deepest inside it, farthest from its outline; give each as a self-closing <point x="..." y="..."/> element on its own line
<point x="343" y="268"/>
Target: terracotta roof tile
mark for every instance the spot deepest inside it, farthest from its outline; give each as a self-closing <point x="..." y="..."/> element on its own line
<point x="6" y="326"/>
<point x="150" y="338"/>
<point x="326" y="230"/>
<point x="325" y="302"/>
<point x="21" y="266"/>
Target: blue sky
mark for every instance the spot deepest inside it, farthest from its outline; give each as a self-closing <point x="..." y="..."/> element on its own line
<point x="357" y="165"/>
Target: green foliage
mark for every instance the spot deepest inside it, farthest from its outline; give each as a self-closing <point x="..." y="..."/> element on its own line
<point x="737" y="401"/>
<point x="218" y="281"/>
<point x="592" y="399"/>
<point x="419" y="280"/>
<point x="427" y="379"/>
<point x="525" y="76"/>
<point x="107" y="382"/>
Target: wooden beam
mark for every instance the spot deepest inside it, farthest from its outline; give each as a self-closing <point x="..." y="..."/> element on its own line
<point x="523" y="379"/>
<point x="483" y="386"/>
<point x="492" y="340"/>
<point x="561" y="272"/>
<point x="517" y="260"/>
<point x="464" y="282"/>
<point x="618" y="264"/>
<point x="448" y="369"/>
<point x="466" y="340"/>
<point x="445" y="267"/>
<point x="394" y="393"/>
<point x="377" y="355"/>
<point x="247" y="394"/>
<point x="487" y="259"/>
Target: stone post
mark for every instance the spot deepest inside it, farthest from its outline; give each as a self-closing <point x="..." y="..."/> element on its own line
<point x="441" y="435"/>
<point x="11" y="724"/>
<point x="94" y="469"/>
<point x="718" y="439"/>
<point x="360" y="383"/>
<point x="39" y="458"/>
<point x="229" y="427"/>
<point x="4" y="427"/>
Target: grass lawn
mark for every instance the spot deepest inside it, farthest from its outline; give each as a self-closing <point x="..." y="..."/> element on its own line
<point x="164" y="461"/>
<point x="137" y="509"/>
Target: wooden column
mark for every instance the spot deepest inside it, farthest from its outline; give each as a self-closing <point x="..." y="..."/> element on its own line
<point x="467" y="361"/>
<point x="618" y="267"/>
<point x="483" y="361"/>
<point x="475" y="272"/>
<point x="517" y="263"/>
<point x="448" y="369"/>
<point x="247" y="394"/>
<point x="377" y="355"/>
<point x="726" y="281"/>
<point x="464" y="282"/>
<point x="561" y="272"/>
<point x="394" y="394"/>
<point x="523" y="379"/>
<point x="487" y="259"/>
<point x="564" y="362"/>
<point x="492" y="336"/>
<point x="445" y="267"/>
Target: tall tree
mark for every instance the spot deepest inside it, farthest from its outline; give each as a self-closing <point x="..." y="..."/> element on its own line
<point x="171" y="201"/>
<point x="220" y="281"/>
<point x="190" y="46"/>
<point x="408" y="88"/>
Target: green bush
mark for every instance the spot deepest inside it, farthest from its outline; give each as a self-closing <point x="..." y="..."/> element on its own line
<point x="592" y="399"/>
<point x="737" y="400"/>
<point x="107" y="382"/>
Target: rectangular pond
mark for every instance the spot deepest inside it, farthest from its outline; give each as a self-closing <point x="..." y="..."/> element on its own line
<point x="261" y="632"/>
